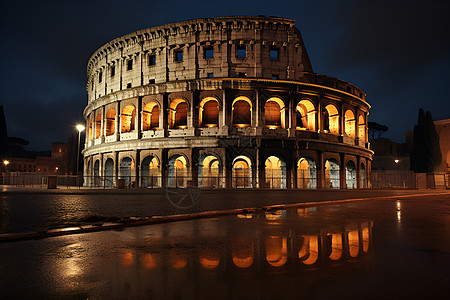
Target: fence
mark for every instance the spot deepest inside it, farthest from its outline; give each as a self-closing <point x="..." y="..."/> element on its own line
<point x="379" y="179"/>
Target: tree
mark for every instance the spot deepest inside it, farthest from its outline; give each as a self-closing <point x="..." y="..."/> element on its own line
<point x="375" y="128"/>
<point x="426" y="153"/>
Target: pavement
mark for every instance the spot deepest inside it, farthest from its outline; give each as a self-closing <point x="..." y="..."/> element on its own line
<point x="39" y="213"/>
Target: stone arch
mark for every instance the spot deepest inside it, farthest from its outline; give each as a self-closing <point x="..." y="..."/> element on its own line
<point x="242" y="252"/>
<point x="209" y="112"/>
<point x="178" y="174"/>
<point x="275" y="172"/>
<point x="96" y="173"/>
<point x="306" y="115"/>
<point x="128" y="119"/>
<point x="349" y="127"/>
<point x="178" y="114"/>
<point x="332" y="173"/>
<point x="309" y="253"/>
<point x="274" y="113"/>
<point x="98" y="125"/>
<point x="150" y="172"/>
<point x="110" y="122"/>
<point x="362" y="176"/>
<point x="306" y="173"/>
<point x="242" y="172"/>
<point x="350" y="175"/>
<point x="109" y="173"/>
<point x="276" y="250"/>
<point x="125" y="169"/>
<point x="209" y="170"/>
<point x="242" y="112"/>
<point x="91" y="127"/>
<point x="353" y="243"/>
<point x="331" y="119"/>
<point x="336" y="246"/>
<point x="362" y="128"/>
<point x="150" y="116"/>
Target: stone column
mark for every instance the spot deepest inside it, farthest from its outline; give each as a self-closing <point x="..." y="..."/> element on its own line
<point x="342" y="120"/>
<point x="137" y="164"/>
<point x="342" y="173"/>
<point x="118" y="123"/>
<point x="139" y="118"/>
<point x="358" y="172"/>
<point x="357" y="128"/>
<point x="320" y="170"/>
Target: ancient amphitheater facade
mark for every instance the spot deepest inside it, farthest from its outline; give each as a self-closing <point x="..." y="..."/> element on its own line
<point x="227" y="102"/>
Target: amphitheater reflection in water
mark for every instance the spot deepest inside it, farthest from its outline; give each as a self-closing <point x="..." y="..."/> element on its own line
<point x="220" y="255"/>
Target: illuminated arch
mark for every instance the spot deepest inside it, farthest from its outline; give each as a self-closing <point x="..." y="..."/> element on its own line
<point x="242" y="252"/>
<point x="349" y="127"/>
<point x="91" y="127"/>
<point x="150" y="173"/>
<point x="362" y="128"/>
<point x="125" y="169"/>
<point x="336" y="246"/>
<point x="242" y="172"/>
<point x="110" y="122"/>
<point x="353" y="243"/>
<point x="97" y="178"/>
<point x="209" y="257"/>
<point x="331" y="119"/>
<point x="209" y="172"/>
<point x="242" y="112"/>
<point x="274" y="113"/>
<point x="98" y="125"/>
<point x="309" y="253"/>
<point x="276" y="250"/>
<point x="350" y="175"/>
<point x="150" y="261"/>
<point x="209" y="112"/>
<point x="275" y="172"/>
<point x="109" y="173"/>
<point x="178" y="174"/>
<point x="306" y="115"/>
<point x="150" y="116"/>
<point x="332" y="174"/>
<point x="366" y="236"/>
<point x="306" y="173"/>
<point x="178" y="259"/>
<point x="362" y="176"/>
<point x="128" y="118"/>
<point x="178" y="111"/>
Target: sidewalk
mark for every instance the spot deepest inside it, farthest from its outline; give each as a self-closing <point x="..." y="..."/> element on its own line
<point x="43" y="213"/>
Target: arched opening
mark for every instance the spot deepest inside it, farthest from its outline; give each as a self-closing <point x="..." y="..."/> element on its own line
<point x="111" y="122"/>
<point x="97" y="179"/>
<point x="98" y="126"/>
<point x="242" y="252"/>
<point x="349" y="124"/>
<point x="331" y="119"/>
<point x="241" y="172"/>
<point x="91" y="125"/>
<point x="150" y="116"/>
<point x="209" y="257"/>
<point x="276" y="251"/>
<point x="366" y="236"/>
<point x="306" y="115"/>
<point x="309" y="253"/>
<point x="306" y="173"/>
<point x="109" y="173"/>
<point x="350" y="175"/>
<point x="150" y="172"/>
<point x="332" y="174"/>
<point x="241" y="111"/>
<point x="336" y="246"/>
<point x="128" y="119"/>
<point x="361" y="129"/>
<point x="353" y="243"/>
<point x="275" y="170"/>
<point x="274" y="113"/>
<point x="362" y="176"/>
<point x="209" y="113"/>
<point x="178" y="114"/>
<point x="178" y="172"/>
<point x="126" y="166"/>
<point x="208" y="172"/>
<point x="178" y="259"/>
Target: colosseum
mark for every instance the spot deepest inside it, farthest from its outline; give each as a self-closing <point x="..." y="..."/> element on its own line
<point x="229" y="102"/>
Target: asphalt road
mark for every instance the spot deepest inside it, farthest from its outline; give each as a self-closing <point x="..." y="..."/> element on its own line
<point x="384" y="249"/>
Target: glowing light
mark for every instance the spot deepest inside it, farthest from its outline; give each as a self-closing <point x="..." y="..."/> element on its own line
<point x="80" y="127"/>
<point x="242" y="125"/>
<point x="396" y="161"/>
<point x="6" y="162"/>
<point x="182" y="127"/>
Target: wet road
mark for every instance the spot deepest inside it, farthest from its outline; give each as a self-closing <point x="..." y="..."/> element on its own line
<point x="364" y="250"/>
<point x="22" y="212"/>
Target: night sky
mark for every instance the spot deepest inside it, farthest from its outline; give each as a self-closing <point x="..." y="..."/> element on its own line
<point x="398" y="52"/>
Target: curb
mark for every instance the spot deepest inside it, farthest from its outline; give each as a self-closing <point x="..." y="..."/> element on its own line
<point x="4" y="238"/>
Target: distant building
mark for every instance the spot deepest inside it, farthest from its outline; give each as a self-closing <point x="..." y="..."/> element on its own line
<point x="389" y="155"/>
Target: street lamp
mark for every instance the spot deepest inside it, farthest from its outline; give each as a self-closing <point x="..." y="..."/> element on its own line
<point x="80" y="128"/>
<point x="6" y="163"/>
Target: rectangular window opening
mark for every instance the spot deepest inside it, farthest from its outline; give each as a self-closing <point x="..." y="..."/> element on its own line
<point x="242" y="75"/>
<point x="274" y="54"/>
<point x="128" y="85"/>
<point x="100" y="77"/>
<point x="152" y="60"/>
<point x="210" y="75"/>
<point x="113" y="71"/>
<point x="275" y="76"/>
<point x="178" y="56"/>
<point x="130" y="65"/>
<point x="241" y="51"/>
<point x="151" y="81"/>
<point x="209" y="53"/>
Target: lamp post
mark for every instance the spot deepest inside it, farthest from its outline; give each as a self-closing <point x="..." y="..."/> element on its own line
<point x="80" y="128"/>
<point x="6" y="163"/>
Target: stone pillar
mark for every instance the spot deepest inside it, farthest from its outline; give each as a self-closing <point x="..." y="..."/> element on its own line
<point x="139" y="118"/>
<point x="319" y="127"/>
<point x="137" y="164"/>
<point x="288" y="178"/>
<point x="320" y="170"/>
<point x="228" y="174"/>
<point x="116" y="166"/>
<point x="342" y="173"/>
<point x="357" y="128"/>
<point x="358" y="172"/>
<point x="118" y="123"/>
<point x="342" y="120"/>
<point x="163" y="167"/>
<point x="194" y="166"/>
